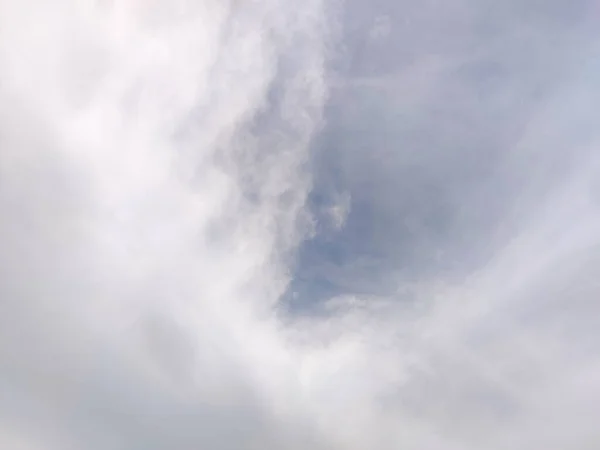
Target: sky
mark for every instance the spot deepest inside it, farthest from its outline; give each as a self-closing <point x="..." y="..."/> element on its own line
<point x="337" y="225"/>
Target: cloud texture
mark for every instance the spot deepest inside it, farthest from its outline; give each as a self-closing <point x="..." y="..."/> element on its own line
<point x="262" y="225"/>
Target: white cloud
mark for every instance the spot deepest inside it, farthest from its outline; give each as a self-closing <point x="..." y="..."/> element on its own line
<point x="153" y="180"/>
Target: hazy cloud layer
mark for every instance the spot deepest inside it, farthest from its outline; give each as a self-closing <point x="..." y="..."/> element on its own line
<point x="257" y="225"/>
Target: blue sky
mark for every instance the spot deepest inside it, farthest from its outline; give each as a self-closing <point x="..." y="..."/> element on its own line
<point x="422" y="134"/>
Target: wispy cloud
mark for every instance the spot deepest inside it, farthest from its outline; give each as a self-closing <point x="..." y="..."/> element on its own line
<point x="252" y="224"/>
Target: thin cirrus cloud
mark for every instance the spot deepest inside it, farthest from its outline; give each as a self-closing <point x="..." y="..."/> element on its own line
<point x="251" y="224"/>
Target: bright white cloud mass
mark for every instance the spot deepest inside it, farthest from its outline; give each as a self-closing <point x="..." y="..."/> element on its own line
<point x="264" y="224"/>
